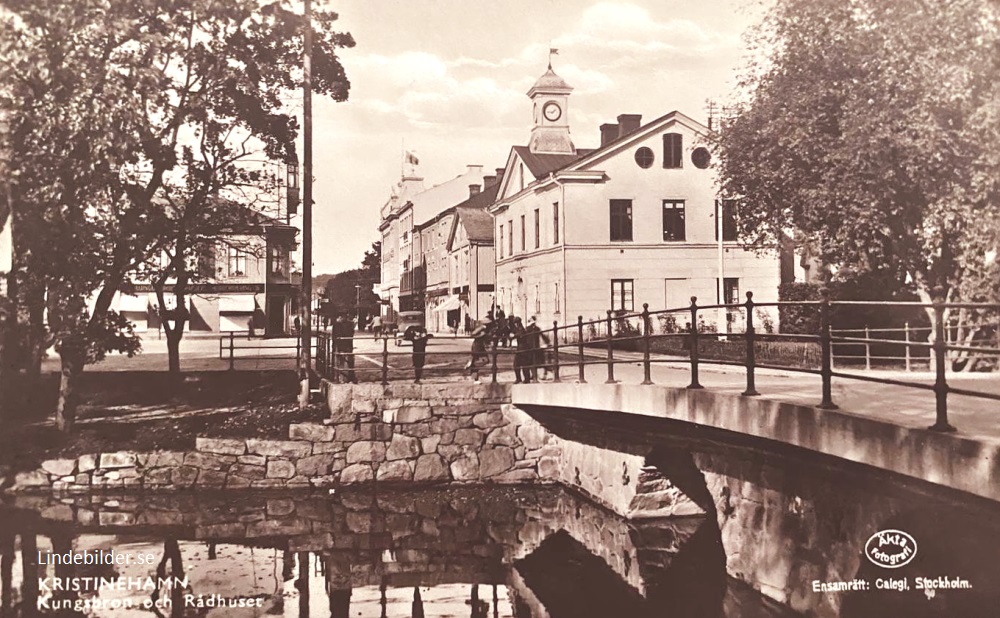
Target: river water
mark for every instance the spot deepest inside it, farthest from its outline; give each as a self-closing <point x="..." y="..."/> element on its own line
<point x="436" y="552"/>
<point x="470" y="552"/>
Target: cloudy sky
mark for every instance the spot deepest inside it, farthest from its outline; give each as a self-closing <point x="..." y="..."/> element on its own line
<point x="448" y="78"/>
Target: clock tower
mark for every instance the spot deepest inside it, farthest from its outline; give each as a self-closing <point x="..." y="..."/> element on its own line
<point x="550" y="132"/>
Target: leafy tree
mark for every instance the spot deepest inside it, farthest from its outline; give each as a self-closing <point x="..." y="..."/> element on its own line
<point x="350" y="292"/>
<point x="121" y="111"/>
<point x="870" y="127"/>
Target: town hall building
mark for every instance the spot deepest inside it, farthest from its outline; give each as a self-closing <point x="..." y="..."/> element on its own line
<point x="580" y="231"/>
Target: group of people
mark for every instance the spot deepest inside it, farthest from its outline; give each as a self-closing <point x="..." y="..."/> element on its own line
<point x="531" y="342"/>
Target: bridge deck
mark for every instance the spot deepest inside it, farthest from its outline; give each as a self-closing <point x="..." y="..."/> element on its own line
<point x="879" y="425"/>
<point x="911" y="408"/>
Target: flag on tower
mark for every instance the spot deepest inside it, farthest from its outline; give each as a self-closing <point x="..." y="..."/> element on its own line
<point x="411" y="158"/>
<point x="553" y="50"/>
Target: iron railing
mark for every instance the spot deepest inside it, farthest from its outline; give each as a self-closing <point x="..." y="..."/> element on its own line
<point x="595" y="342"/>
<point x="240" y="345"/>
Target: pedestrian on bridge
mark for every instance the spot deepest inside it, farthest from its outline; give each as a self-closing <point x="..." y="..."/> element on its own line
<point x="536" y="342"/>
<point x="522" y="357"/>
<point x="480" y="336"/>
<point x="418" y="335"/>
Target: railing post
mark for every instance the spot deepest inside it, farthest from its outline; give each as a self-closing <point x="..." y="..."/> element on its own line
<point x="906" y="338"/>
<point x="868" y="350"/>
<point x="611" y="354"/>
<point x="493" y="364"/>
<point x="940" y="360"/>
<point x="555" y="351"/>
<point x="646" y="328"/>
<point x="385" y="360"/>
<point x="579" y="341"/>
<point x="694" y="344"/>
<point x="751" y="355"/>
<point x="232" y="351"/>
<point x="320" y="348"/>
<point x="826" y="367"/>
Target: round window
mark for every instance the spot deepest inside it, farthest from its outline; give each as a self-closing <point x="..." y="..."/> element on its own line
<point x="644" y="158"/>
<point x="701" y="157"/>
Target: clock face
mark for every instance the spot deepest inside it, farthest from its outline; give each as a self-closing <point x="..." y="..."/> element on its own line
<point x="551" y="111"/>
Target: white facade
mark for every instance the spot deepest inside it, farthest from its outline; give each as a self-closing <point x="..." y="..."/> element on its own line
<point x="409" y="237"/>
<point x="583" y="234"/>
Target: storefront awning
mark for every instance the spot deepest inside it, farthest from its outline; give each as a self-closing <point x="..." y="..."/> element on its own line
<point x="449" y="304"/>
<point x="237" y="303"/>
<point x="133" y="304"/>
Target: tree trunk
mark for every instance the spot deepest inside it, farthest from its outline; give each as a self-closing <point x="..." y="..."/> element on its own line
<point x="73" y="359"/>
<point x="174" y="336"/>
<point x="36" y="335"/>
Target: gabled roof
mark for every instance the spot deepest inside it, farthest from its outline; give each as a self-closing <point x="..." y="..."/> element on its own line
<point x="474" y="218"/>
<point x="545" y="165"/>
<point x="477" y="222"/>
<point x="541" y="165"/>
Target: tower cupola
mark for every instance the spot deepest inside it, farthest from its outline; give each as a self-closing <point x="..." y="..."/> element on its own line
<point x="550" y="102"/>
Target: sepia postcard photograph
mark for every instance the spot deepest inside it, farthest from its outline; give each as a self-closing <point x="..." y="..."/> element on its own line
<point x="509" y="309"/>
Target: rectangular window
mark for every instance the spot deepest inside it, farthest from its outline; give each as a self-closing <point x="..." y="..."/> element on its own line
<point x="555" y="223"/>
<point x="621" y="295"/>
<point x="538" y="240"/>
<point x="728" y="219"/>
<point x="237" y="262"/>
<point x="510" y="238"/>
<point x="278" y="261"/>
<point x="538" y="301"/>
<point x="673" y="150"/>
<point x="673" y="220"/>
<point x="557" y="299"/>
<point x="524" y="242"/>
<point x="730" y="290"/>
<point x="621" y="220"/>
<point x="501" y="241"/>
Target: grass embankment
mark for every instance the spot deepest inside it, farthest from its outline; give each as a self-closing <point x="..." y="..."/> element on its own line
<point x="144" y="411"/>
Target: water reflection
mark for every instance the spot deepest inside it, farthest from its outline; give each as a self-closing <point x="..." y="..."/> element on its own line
<point x="524" y="553"/>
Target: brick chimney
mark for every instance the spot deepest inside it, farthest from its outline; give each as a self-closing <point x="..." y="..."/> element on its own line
<point x="473" y="190"/>
<point x="609" y="133"/>
<point x="489" y="181"/>
<point x="628" y="123"/>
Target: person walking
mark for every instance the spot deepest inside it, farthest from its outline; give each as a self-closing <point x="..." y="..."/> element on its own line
<point x="522" y="357"/>
<point x="481" y="334"/>
<point x="418" y="335"/>
<point x="535" y="339"/>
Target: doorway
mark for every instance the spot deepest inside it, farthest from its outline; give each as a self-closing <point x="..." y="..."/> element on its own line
<point x="276" y="315"/>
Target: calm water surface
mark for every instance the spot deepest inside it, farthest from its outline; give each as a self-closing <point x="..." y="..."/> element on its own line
<point x="477" y="553"/>
<point x="451" y="552"/>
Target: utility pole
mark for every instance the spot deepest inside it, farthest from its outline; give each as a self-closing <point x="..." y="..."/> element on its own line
<point x="305" y="302"/>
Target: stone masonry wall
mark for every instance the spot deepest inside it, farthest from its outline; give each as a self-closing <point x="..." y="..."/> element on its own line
<point x="438" y="433"/>
<point x="400" y="433"/>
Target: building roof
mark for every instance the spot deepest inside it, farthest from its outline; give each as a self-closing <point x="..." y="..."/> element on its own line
<point x="550" y="81"/>
<point x="541" y="165"/>
<point x="477" y="222"/>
